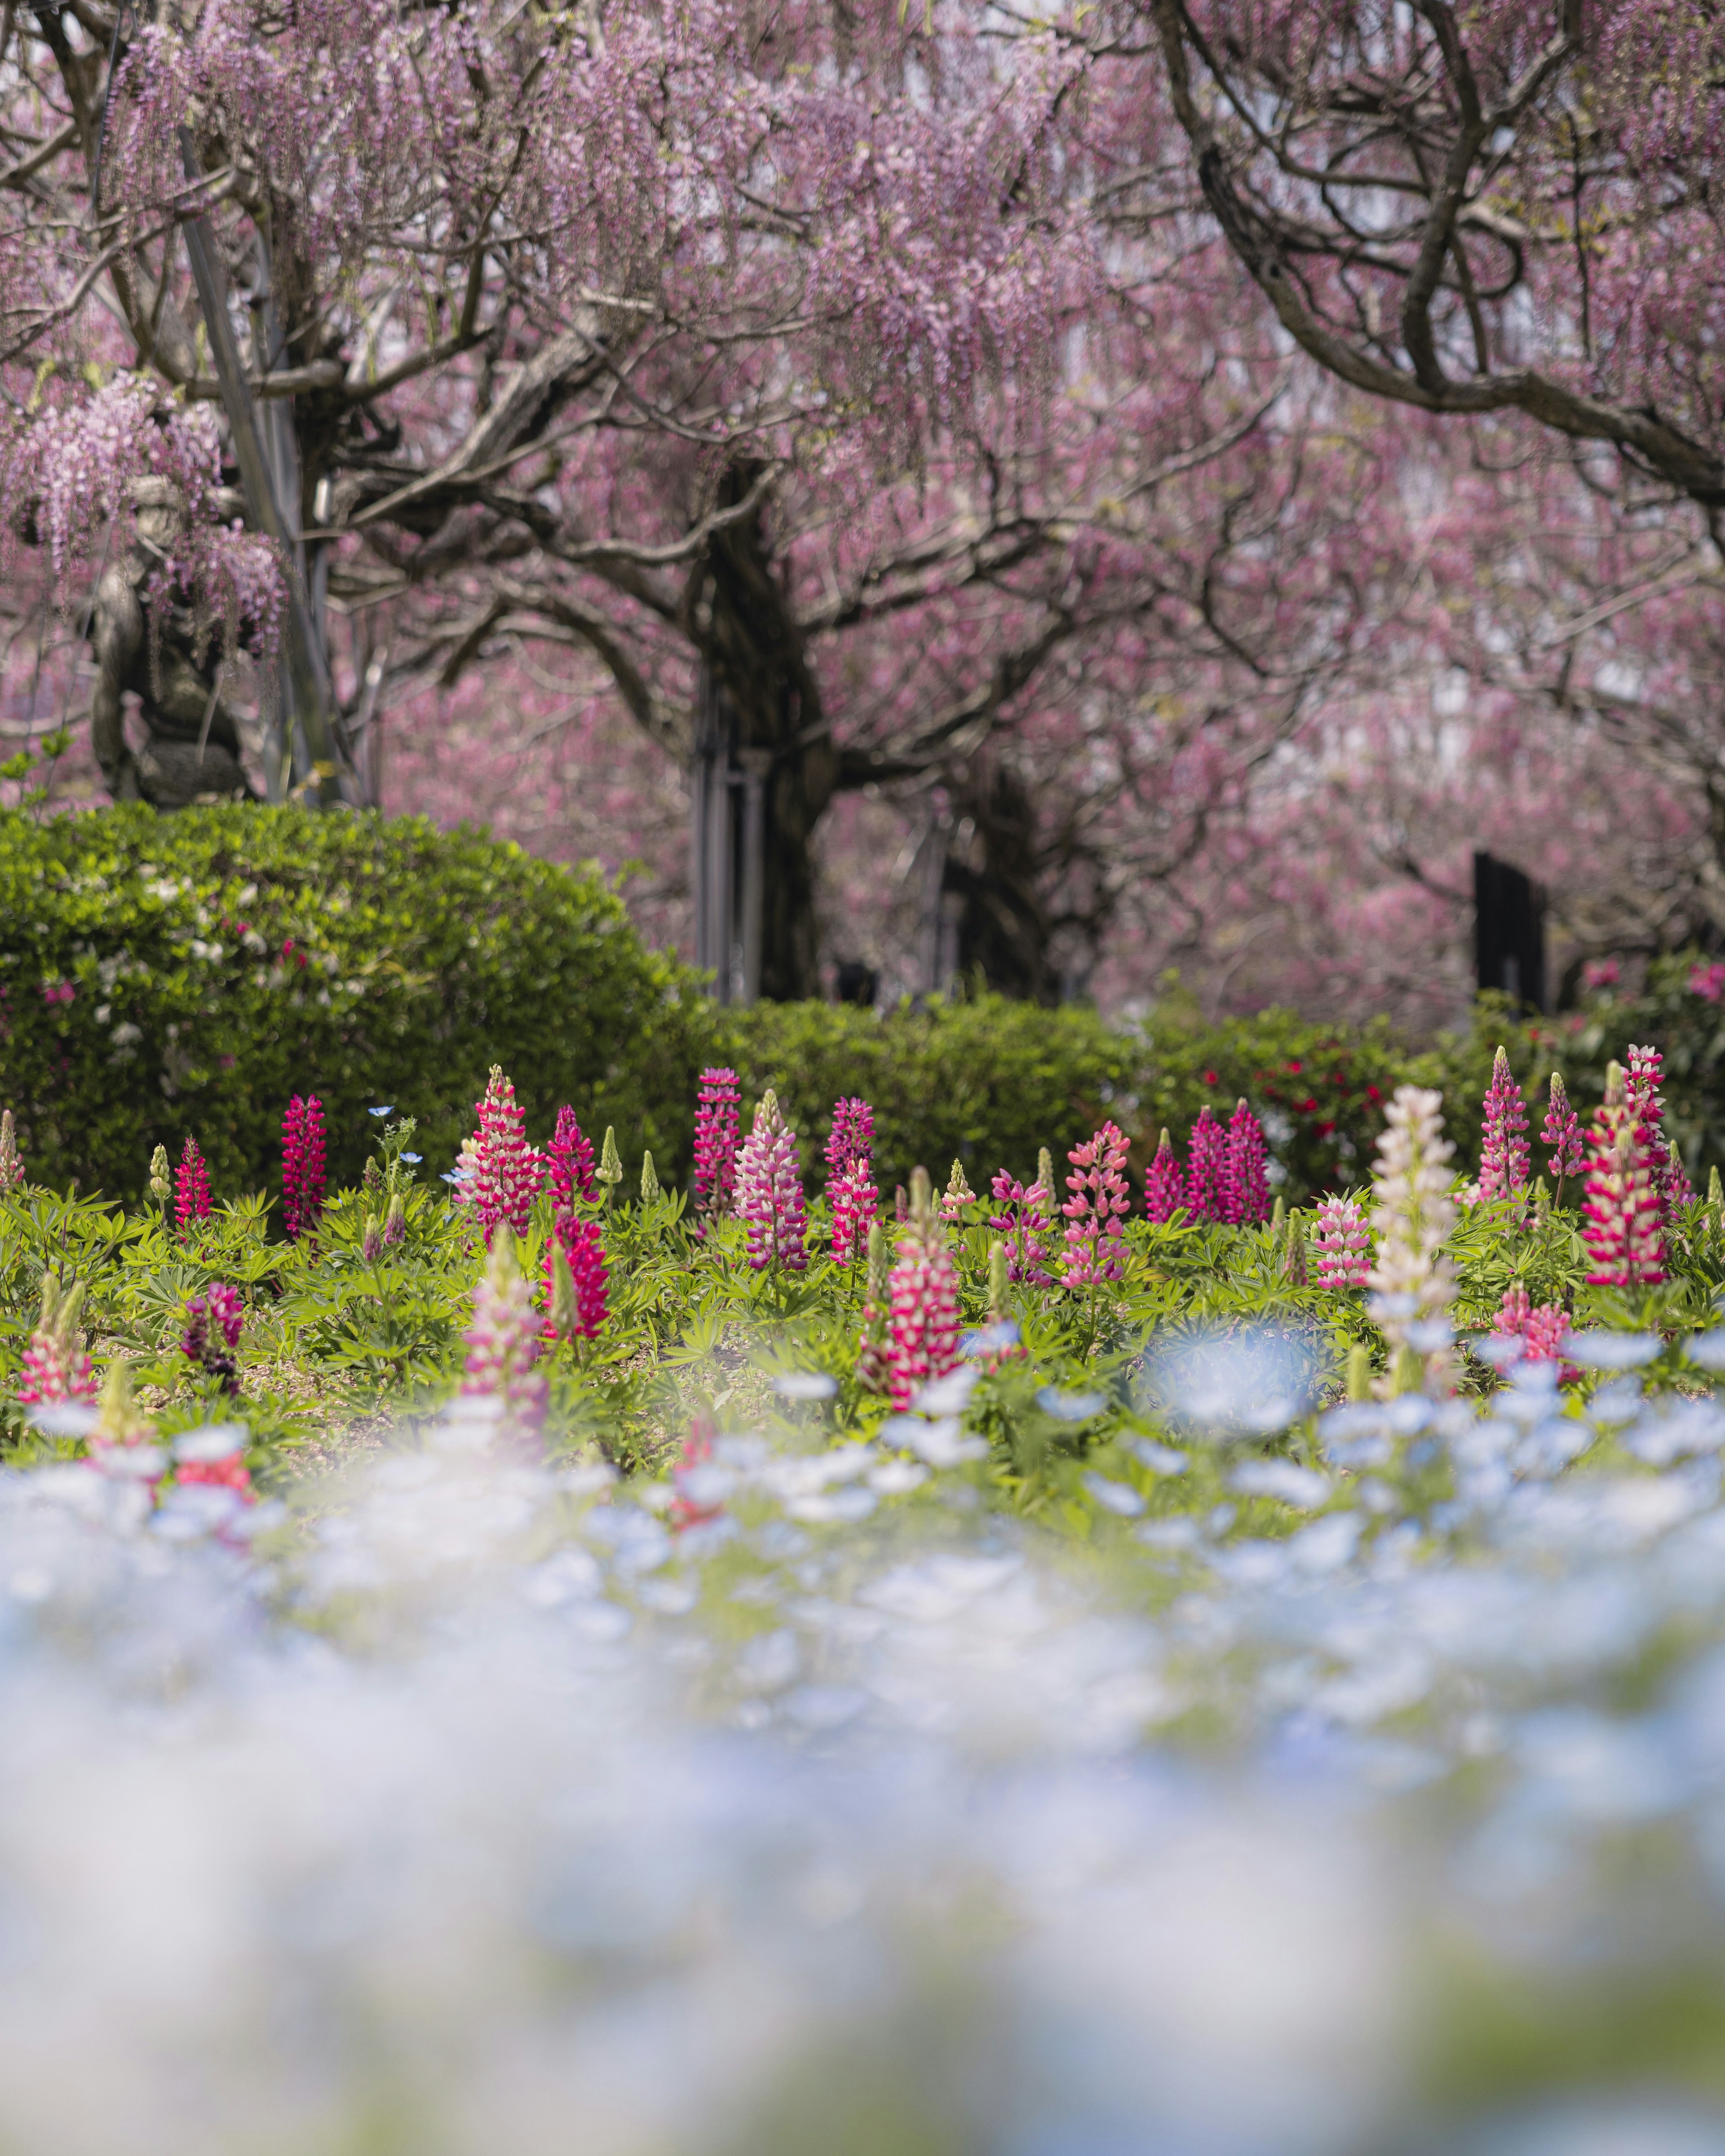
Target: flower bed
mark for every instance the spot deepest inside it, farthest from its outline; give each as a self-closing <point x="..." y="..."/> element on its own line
<point x="899" y="1669"/>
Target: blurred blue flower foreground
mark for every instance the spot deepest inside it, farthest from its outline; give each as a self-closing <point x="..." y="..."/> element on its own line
<point x="804" y="1803"/>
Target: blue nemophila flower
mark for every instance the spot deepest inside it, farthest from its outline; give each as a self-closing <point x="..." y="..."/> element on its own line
<point x="412" y="1158"/>
<point x="804" y="1385"/>
<point x="380" y="1111"/>
<point x="1612" y="1351"/>
<point x="1070" y="1406"/>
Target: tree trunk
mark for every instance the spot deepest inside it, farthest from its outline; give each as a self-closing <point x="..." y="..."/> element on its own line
<point x="752" y="650"/>
<point x="1004" y="932"/>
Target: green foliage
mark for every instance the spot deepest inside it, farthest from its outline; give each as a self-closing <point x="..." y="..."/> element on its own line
<point x="988" y="1082"/>
<point x="163" y="978"/>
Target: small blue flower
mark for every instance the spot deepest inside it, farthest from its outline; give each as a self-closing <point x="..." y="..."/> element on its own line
<point x="380" y="1111"/>
<point x="452" y="1178"/>
<point x="413" y="1156"/>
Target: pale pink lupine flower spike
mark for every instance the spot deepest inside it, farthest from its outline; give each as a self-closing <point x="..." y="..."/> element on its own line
<point x="922" y="1305"/>
<point x="1095" y="1211"/>
<point x="1621" y="1210"/>
<point x="769" y="1191"/>
<point x="1342" y="1243"/>
<point x="503" y="1343"/>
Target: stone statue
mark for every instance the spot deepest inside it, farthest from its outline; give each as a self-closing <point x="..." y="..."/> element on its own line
<point x="192" y="751"/>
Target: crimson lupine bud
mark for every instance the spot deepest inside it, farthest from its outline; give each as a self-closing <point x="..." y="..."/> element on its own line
<point x="1024" y="1220"/>
<point x="922" y="1319"/>
<point x="715" y="1142"/>
<point x="504" y="1171"/>
<point x="191" y="1186"/>
<point x="569" y="1163"/>
<point x="855" y="1202"/>
<point x="583" y="1250"/>
<point x="1094" y="1247"/>
<point x="1503" y="1138"/>
<point x="56" y="1370"/>
<point x="1342" y="1243"/>
<point x="395" y="1222"/>
<point x="1247" y="1185"/>
<point x="853" y="1138"/>
<point x="1622" y="1209"/>
<point x="1164" y="1186"/>
<point x="1207" y="1170"/>
<point x="502" y="1343"/>
<point x="769" y="1191"/>
<point x="302" y="1165"/>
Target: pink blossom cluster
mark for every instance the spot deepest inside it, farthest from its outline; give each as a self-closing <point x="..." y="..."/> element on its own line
<point x="192" y="1200"/>
<point x="56" y="1369"/>
<point x="1540" y="1327"/>
<point x="1670" y="1178"/>
<point x="715" y="1142"/>
<point x="1621" y="1209"/>
<point x="302" y="1165"/>
<point x="501" y="1173"/>
<point x="1503" y="1147"/>
<point x="923" y="1308"/>
<point x="1227" y="1178"/>
<point x="850" y="1181"/>
<point x="1342" y="1243"/>
<point x="502" y="1339"/>
<point x="769" y="1191"/>
<point x="1561" y="1133"/>
<point x="214" y="1321"/>
<point x="1164" y="1186"/>
<point x="584" y="1248"/>
<point x="1708" y="981"/>
<point x="58" y="992"/>
<point x="1096" y="1212"/>
<point x="569" y="1163"/>
<point x="1025" y="1219"/>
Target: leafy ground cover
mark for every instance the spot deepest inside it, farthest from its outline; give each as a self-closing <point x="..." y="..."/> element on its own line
<point x="532" y="1660"/>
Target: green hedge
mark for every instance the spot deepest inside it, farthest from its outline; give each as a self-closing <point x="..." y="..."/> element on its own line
<point x="987" y="1081"/>
<point x="220" y="960"/>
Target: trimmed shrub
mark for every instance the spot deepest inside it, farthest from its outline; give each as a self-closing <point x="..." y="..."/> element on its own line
<point x="171" y="977"/>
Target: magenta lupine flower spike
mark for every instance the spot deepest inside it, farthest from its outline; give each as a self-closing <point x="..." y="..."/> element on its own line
<point x="213" y="1323"/>
<point x="191" y="1186"/>
<point x="302" y="1165"/>
<point x="855" y="1204"/>
<point x="1621" y="1212"/>
<point x="56" y="1370"/>
<point x="715" y="1142"/>
<point x="853" y="1138"/>
<point x="1164" y="1186"/>
<point x="769" y="1191"/>
<point x="1095" y="1229"/>
<point x="1540" y="1327"/>
<point x="1206" y="1169"/>
<point x="1640" y="1091"/>
<point x="1246" y="1187"/>
<point x="502" y="1342"/>
<point x="584" y="1250"/>
<point x="1024" y="1220"/>
<point x="1503" y="1141"/>
<point x="1562" y="1132"/>
<point x="504" y="1171"/>
<point x="1342" y="1243"/>
<point x="922" y="1312"/>
<point x="569" y="1163"/>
